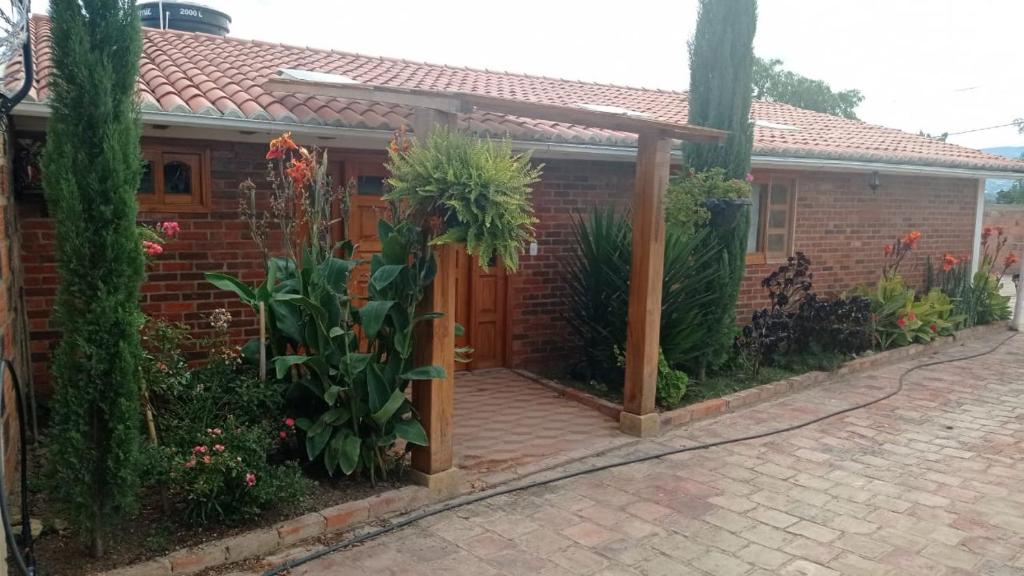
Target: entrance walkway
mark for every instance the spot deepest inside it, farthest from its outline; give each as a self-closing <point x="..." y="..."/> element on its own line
<point x="506" y="422"/>
<point x="927" y="483"/>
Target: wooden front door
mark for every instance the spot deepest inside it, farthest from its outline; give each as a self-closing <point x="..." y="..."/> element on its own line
<point x="480" y="294"/>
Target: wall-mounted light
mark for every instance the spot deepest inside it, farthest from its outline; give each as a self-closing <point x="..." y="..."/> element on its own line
<point x="874" y="182"/>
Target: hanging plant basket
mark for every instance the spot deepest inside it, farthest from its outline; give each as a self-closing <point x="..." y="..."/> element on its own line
<point x="725" y="212"/>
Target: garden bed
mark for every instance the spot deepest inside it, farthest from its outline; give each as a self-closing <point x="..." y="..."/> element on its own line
<point x="154" y="533"/>
<point x="770" y="384"/>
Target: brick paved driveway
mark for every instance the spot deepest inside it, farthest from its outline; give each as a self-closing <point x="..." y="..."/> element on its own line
<point x="931" y="482"/>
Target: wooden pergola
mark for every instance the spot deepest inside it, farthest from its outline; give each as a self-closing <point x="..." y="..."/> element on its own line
<point x="434" y="399"/>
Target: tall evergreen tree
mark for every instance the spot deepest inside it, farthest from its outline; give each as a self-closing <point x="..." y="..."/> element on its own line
<point x="91" y="170"/>
<point x="721" y="72"/>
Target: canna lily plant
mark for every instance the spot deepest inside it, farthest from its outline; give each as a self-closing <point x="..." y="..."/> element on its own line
<point x="344" y="362"/>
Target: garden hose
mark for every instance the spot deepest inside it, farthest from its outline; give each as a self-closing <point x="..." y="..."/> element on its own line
<point x="487" y="495"/>
<point x="23" y="558"/>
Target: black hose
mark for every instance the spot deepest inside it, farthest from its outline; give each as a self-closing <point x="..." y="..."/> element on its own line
<point x="24" y="562"/>
<point x="487" y="495"/>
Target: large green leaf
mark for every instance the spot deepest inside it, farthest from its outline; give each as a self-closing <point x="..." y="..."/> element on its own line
<point x="315" y="442"/>
<point x="232" y="284"/>
<point x="390" y="407"/>
<point x="386" y="275"/>
<point x="283" y="363"/>
<point x="348" y="456"/>
<point x="286" y="319"/>
<point x="376" y="388"/>
<point x="335" y="272"/>
<point x="372" y="316"/>
<point x="424" y="373"/>
<point x="393" y="250"/>
<point x="412" y="431"/>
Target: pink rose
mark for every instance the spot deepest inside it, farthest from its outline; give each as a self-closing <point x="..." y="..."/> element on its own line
<point x="207" y="459"/>
<point x="282" y="434"/>
<point x="218" y="447"/>
<point x="250" y="479"/>
<point x="152" y="248"/>
<point x="190" y="463"/>
<point x="289" y="422"/>
<point x="170" y="229"/>
<point x="217" y="431"/>
<point x="199" y="449"/>
<point x="750" y="177"/>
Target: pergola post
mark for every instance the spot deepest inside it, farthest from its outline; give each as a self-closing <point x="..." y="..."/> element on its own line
<point x="435" y="345"/>
<point x="639" y="416"/>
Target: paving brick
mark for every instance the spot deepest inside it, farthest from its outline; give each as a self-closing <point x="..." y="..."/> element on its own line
<point x="774" y="506"/>
<point x="301" y="528"/>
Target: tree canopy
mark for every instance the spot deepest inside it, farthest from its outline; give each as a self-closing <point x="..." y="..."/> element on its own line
<point x="721" y="64"/>
<point x="773" y="83"/>
<point x="1012" y="195"/>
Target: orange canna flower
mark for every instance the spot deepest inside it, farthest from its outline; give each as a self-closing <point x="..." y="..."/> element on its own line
<point x="948" y="262"/>
<point x="281" y="144"/>
<point x="1011" y="259"/>
<point x="888" y="249"/>
<point x="986" y="233"/>
<point x="300" y="171"/>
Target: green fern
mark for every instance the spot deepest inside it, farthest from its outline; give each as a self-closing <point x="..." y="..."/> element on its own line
<point x="479" y="190"/>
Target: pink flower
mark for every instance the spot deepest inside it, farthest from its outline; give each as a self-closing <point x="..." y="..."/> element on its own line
<point x="289" y="422"/>
<point x="207" y="459"/>
<point x="199" y="449"/>
<point x="250" y="479"/>
<point x="901" y="322"/>
<point x="282" y="434"/>
<point x="152" y="248"/>
<point x="218" y="447"/>
<point x="750" y="177"/>
<point x="216" y="431"/>
<point x="170" y="229"/>
<point x="190" y="463"/>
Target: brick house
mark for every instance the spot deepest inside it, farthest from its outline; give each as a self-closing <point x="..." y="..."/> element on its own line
<point x="207" y="120"/>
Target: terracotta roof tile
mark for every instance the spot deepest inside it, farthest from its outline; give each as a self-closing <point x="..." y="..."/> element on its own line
<point x="210" y="75"/>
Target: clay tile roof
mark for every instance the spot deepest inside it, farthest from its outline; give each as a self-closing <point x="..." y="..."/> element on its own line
<point x="207" y="75"/>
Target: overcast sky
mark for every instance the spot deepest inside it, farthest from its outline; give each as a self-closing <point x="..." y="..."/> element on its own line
<point x="933" y="65"/>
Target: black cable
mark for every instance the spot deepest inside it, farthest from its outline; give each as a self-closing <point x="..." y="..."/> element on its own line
<point x="456" y="504"/>
<point x="25" y="566"/>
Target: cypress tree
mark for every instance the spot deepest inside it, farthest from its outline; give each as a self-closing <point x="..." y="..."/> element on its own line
<point x="721" y="76"/>
<point x="91" y="168"/>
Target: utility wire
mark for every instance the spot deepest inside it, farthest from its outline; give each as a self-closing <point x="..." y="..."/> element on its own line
<point x="1017" y="123"/>
<point x="284" y="567"/>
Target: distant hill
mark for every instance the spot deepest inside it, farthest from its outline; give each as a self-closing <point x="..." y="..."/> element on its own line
<point x="994" y="186"/>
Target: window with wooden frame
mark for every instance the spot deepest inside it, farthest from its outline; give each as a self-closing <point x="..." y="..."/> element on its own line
<point x="772" y="216"/>
<point x="174" y="179"/>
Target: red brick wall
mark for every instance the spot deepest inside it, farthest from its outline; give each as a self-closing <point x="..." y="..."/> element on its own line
<point x="176" y="290"/>
<point x="841" y="224"/>
<point x="13" y="327"/>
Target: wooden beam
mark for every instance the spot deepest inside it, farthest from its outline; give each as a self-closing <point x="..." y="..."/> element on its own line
<point x="434" y="400"/>
<point x="462" y="102"/>
<point x="645" y="278"/>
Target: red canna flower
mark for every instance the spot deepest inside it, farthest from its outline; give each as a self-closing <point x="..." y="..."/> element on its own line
<point x="1010" y="260"/>
<point x="888" y="249"/>
<point x="934" y="328"/>
<point x="948" y="262"/>
<point x="986" y="233"/>
<point x="301" y="172"/>
<point x="911" y="317"/>
<point x="901" y="322"/>
<point x="278" y="146"/>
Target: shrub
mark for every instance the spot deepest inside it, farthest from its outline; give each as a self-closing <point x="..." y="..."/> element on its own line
<point x="476" y="192"/>
<point x="598" y="292"/>
<point x="224" y="475"/>
<point x="91" y="170"/>
<point x="800" y="323"/>
<point x="840" y="325"/>
<point x="688" y="193"/>
<point x="672" y="383"/>
<point x="899" y="318"/>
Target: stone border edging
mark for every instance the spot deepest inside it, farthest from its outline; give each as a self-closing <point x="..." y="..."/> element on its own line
<point x="766" y="392"/>
<point x="265" y="541"/>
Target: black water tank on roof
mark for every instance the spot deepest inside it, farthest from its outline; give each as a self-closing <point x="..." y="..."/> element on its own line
<point x="184" y="16"/>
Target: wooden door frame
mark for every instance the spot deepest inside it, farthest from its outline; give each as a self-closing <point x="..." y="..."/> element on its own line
<point x="340" y="160"/>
